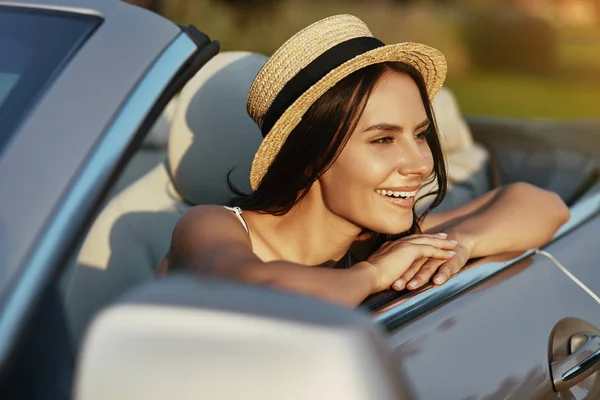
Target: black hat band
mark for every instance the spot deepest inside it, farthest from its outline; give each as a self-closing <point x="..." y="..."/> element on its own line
<point x="312" y="73"/>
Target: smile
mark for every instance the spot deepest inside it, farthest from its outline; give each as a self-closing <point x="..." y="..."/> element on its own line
<point x="398" y="198"/>
<point x="389" y="193"/>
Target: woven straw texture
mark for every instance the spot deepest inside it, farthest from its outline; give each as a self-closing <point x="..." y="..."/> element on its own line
<point x="303" y="48"/>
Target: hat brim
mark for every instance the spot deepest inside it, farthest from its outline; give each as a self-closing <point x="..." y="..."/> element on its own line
<point x="427" y="60"/>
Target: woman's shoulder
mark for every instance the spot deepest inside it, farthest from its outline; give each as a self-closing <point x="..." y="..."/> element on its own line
<point x="210" y="219"/>
<point x="203" y="233"/>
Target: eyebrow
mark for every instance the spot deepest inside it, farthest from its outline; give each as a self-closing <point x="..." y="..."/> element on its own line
<point x="395" y="128"/>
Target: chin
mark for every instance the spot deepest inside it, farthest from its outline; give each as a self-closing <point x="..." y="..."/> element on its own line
<point x="393" y="226"/>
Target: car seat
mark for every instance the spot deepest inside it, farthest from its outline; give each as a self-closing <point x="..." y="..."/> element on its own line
<point x="467" y="162"/>
<point x="210" y="134"/>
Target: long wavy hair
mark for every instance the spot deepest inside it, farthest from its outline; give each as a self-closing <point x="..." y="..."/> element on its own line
<point x="315" y="143"/>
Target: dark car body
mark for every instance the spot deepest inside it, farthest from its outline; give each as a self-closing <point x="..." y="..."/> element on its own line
<point x="502" y="328"/>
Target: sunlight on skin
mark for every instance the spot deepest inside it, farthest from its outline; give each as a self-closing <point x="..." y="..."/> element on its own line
<point x="387" y="150"/>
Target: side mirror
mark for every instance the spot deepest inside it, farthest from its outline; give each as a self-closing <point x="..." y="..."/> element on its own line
<point x="191" y="337"/>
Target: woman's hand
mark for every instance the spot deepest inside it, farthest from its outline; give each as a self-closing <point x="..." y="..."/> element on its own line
<point x="393" y="259"/>
<point x="422" y="270"/>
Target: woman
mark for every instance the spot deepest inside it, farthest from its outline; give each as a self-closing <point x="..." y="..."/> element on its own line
<point x="349" y="138"/>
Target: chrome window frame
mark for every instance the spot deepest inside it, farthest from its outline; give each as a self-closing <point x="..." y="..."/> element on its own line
<point x="406" y="308"/>
<point x="54" y="241"/>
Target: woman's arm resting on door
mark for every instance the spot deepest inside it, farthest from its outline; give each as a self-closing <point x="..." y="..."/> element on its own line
<point x="516" y="217"/>
<point x="209" y="239"/>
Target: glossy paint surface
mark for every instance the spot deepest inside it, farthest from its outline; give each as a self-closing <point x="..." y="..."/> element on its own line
<point x="579" y="252"/>
<point x="491" y="341"/>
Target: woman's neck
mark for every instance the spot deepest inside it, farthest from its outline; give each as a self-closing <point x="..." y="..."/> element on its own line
<point x="309" y="234"/>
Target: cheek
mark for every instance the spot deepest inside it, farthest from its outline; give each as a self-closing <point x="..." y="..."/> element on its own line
<point x="428" y="155"/>
<point x="359" y="168"/>
<point x="353" y="174"/>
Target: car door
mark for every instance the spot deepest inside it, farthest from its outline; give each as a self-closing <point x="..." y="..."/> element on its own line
<point x="497" y="330"/>
<point x="578" y="248"/>
<point x="83" y="84"/>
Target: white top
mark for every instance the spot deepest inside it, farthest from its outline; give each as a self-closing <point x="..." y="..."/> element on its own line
<point x="238" y="214"/>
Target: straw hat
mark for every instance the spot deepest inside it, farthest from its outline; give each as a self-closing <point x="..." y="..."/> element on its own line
<point x="313" y="61"/>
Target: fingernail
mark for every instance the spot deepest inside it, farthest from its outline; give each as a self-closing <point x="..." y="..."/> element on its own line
<point x="399" y="283"/>
<point x="451" y="252"/>
<point x="452" y="241"/>
<point x="438" y="280"/>
<point x="412" y="284"/>
<point x="442" y="234"/>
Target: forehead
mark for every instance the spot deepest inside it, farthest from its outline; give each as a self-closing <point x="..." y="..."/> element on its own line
<point x="394" y="99"/>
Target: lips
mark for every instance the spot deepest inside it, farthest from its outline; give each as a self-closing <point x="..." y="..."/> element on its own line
<point x="400" y="196"/>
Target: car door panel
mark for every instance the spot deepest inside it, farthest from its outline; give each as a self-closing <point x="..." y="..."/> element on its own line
<point x="579" y="252"/>
<point x="491" y="341"/>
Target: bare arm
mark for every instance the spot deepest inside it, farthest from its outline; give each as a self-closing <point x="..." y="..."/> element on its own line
<point x="209" y="239"/>
<point x="515" y="217"/>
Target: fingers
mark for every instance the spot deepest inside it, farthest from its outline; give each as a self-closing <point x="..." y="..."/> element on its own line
<point x="427" y="260"/>
<point x="443" y="274"/>
<point x="430" y="251"/>
<point x="433" y="235"/>
<point x="427" y="256"/>
<point x="425" y="273"/>
<point x="447" y="270"/>
<point x="400" y="260"/>
<point x="433" y="241"/>
<point x="400" y="283"/>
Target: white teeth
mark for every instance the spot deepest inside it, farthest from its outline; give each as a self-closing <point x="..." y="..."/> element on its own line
<point x="396" y="193"/>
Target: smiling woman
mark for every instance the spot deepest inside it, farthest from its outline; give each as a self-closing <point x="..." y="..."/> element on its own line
<point x="349" y="139"/>
<point x="385" y="114"/>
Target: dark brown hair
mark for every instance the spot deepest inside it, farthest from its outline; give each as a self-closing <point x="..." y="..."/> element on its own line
<point x="314" y="144"/>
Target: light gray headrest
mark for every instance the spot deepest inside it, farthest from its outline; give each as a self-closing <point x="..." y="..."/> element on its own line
<point x="211" y="133"/>
<point x="454" y="131"/>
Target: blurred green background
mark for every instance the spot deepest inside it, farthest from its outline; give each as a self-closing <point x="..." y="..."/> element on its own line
<point x="511" y="58"/>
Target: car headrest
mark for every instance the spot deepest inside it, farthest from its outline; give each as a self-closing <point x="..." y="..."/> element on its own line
<point x="454" y="132"/>
<point x="211" y="132"/>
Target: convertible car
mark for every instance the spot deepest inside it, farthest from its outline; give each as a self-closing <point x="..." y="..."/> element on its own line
<point x="114" y="121"/>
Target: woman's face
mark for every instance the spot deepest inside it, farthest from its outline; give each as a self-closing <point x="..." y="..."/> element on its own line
<point x="374" y="180"/>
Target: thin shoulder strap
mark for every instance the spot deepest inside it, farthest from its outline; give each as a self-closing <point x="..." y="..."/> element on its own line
<point x="238" y="214"/>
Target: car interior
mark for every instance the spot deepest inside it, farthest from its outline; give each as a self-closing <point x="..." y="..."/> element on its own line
<point x="204" y="133"/>
<point x="108" y="302"/>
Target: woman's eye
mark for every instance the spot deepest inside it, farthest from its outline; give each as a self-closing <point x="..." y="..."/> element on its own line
<point x="423" y="135"/>
<point x="383" y="140"/>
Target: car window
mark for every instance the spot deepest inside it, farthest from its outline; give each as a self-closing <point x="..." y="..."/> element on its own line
<point x="34" y="46"/>
<point x="7" y="82"/>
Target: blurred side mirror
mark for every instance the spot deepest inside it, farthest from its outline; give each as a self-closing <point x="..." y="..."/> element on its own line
<point x="191" y="337"/>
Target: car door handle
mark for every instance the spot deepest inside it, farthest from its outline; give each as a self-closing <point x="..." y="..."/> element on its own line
<point x="580" y="364"/>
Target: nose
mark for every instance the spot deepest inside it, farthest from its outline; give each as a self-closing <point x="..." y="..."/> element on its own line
<point x="415" y="159"/>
